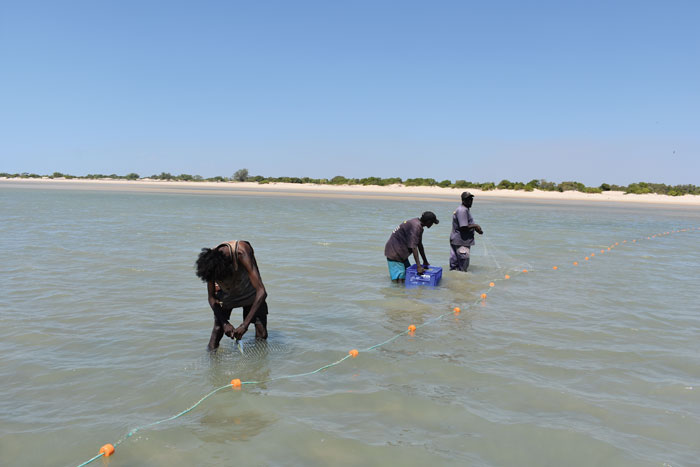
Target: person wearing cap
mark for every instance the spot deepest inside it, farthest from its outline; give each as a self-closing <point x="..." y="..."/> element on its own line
<point x="407" y="238"/>
<point x="462" y="236"/>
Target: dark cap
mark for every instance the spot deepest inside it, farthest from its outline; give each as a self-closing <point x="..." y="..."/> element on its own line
<point x="466" y="195"/>
<point x="429" y="216"/>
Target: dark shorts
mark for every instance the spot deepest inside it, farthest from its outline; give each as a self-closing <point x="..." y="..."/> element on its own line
<point x="260" y="315"/>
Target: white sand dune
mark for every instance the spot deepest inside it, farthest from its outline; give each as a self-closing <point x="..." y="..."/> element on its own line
<point x="343" y="191"/>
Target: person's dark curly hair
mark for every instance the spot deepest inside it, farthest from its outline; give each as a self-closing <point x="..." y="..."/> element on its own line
<point x="212" y="264"/>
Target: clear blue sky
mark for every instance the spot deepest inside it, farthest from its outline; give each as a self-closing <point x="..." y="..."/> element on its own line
<point x="589" y="91"/>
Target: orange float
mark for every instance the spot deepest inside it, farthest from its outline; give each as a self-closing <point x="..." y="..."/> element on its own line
<point x="107" y="450"/>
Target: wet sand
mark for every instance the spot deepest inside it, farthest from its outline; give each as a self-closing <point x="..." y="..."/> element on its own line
<point x="342" y="191"/>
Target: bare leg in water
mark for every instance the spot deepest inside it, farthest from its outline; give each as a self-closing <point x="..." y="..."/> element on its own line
<point x="260" y="320"/>
<point x="218" y="331"/>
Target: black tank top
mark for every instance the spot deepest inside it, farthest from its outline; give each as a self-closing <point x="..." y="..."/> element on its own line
<point x="237" y="289"/>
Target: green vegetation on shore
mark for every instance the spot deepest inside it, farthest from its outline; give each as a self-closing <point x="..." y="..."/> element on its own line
<point x="242" y="175"/>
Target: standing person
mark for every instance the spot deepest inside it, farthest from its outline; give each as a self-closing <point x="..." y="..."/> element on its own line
<point x="407" y="238"/>
<point x="233" y="281"/>
<point x="462" y="236"/>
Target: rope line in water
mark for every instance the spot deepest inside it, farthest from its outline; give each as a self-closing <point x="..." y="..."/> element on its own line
<point x="108" y="449"/>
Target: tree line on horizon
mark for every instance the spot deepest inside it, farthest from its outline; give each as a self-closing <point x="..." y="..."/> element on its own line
<point x="242" y="176"/>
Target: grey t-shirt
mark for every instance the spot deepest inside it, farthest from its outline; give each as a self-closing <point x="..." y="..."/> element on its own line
<point x="407" y="236"/>
<point x="462" y="218"/>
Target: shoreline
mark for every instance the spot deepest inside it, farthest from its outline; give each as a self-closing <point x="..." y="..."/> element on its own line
<point x="342" y="191"/>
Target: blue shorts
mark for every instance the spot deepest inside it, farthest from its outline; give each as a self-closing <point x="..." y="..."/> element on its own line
<point x="397" y="269"/>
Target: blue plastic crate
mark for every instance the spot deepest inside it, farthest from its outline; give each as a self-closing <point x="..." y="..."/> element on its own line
<point x="430" y="277"/>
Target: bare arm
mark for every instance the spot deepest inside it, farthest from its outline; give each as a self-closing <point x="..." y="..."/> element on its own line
<point x="216" y="308"/>
<point x="467" y="228"/>
<point x="422" y="253"/>
<point x="246" y="259"/>
<point x="419" y="267"/>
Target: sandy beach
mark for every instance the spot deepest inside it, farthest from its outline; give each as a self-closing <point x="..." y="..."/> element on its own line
<point x="340" y="191"/>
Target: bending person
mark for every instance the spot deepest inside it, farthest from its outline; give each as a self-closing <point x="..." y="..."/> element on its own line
<point x="405" y="240"/>
<point x="233" y="281"/>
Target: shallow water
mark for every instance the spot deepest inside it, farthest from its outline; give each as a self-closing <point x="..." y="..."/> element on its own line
<point x="103" y="328"/>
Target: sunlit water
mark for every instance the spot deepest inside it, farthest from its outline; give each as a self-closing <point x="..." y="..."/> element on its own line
<point x="103" y="328"/>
